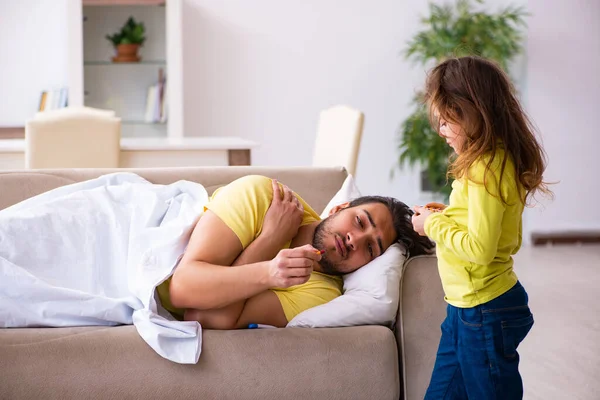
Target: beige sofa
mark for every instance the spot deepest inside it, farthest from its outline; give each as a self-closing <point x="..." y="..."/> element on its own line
<point x="366" y="362"/>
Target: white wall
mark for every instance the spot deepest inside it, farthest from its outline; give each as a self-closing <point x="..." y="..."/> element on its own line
<point x="34" y="56"/>
<point x="264" y="69"/>
<point x="563" y="97"/>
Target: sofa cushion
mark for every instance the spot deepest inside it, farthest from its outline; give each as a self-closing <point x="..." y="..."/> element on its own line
<point x="114" y="362"/>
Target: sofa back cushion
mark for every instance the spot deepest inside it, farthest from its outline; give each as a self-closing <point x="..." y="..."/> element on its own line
<point x="316" y="185"/>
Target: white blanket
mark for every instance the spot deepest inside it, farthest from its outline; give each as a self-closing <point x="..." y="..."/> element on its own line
<point x="92" y="253"/>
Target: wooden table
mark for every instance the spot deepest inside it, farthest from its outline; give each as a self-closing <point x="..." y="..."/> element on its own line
<point x="156" y="152"/>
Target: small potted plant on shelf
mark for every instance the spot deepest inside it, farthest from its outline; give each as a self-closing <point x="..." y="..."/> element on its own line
<point x="128" y="41"/>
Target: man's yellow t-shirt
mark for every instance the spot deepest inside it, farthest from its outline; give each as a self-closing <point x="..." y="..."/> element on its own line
<point x="477" y="234"/>
<point x="242" y="206"/>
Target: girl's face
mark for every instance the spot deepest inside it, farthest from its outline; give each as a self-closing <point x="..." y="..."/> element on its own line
<point x="452" y="133"/>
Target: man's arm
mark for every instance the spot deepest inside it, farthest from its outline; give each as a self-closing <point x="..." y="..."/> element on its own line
<point x="264" y="248"/>
<point x="264" y="308"/>
<point x="280" y="226"/>
<point x="202" y="280"/>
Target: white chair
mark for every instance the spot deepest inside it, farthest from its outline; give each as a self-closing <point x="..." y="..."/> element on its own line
<point x="74" y="137"/>
<point x="338" y="138"/>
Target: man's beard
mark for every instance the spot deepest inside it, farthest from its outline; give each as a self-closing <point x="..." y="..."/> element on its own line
<point x="321" y="232"/>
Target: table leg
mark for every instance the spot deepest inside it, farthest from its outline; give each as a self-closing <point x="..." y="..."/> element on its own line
<point x="239" y="157"/>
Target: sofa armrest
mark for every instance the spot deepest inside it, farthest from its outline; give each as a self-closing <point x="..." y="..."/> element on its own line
<point x="420" y="314"/>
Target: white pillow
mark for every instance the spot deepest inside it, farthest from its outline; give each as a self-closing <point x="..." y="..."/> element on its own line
<point x="371" y="293"/>
<point x="371" y="296"/>
<point x="347" y="192"/>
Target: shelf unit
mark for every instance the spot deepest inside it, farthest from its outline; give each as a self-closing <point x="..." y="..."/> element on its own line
<point x="96" y="81"/>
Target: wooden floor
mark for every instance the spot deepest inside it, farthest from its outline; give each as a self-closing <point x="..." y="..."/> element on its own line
<point x="560" y="358"/>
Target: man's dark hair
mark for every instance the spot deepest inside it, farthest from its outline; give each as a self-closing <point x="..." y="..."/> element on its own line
<point x="401" y="218"/>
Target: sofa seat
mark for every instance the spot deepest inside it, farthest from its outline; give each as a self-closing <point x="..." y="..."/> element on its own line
<point x="115" y="363"/>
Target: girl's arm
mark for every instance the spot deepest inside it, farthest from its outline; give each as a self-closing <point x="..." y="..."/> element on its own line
<point x="478" y="243"/>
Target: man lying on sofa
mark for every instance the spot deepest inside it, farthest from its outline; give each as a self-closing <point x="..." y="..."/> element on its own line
<point x="254" y="257"/>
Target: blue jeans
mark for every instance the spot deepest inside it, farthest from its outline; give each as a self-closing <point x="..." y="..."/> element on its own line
<point x="477" y="358"/>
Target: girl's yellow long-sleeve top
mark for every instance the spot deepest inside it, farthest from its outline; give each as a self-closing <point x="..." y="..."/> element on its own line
<point x="477" y="234"/>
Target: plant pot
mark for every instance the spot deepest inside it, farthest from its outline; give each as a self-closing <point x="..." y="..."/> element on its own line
<point x="127" y="53"/>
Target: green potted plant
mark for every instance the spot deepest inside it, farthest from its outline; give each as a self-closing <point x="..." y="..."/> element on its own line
<point x="128" y="41"/>
<point x="452" y="30"/>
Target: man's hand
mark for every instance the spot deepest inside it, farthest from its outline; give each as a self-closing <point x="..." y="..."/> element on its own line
<point x="418" y="220"/>
<point x="284" y="216"/>
<point x="292" y="267"/>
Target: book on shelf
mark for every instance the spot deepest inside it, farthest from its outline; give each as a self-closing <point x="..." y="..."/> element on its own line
<point x="54" y="99"/>
<point x="157" y="100"/>
<point x="164" y="108"/>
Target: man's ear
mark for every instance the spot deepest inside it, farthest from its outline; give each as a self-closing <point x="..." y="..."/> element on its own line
<point x="339" y="207"/>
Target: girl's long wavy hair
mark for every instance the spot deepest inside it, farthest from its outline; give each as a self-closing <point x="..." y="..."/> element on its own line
<point x="477" y="95"/>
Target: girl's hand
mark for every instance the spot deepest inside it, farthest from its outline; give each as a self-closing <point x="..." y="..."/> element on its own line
<point x="284" y="216"/>
<point x="418" y="220"/>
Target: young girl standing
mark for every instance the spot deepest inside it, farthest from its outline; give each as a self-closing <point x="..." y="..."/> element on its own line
<point x="498" y="167"/>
